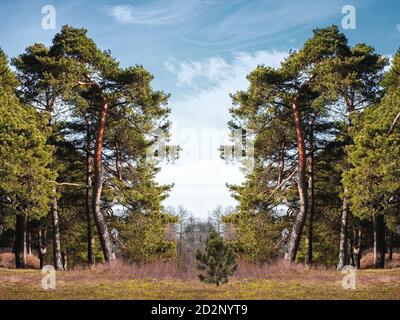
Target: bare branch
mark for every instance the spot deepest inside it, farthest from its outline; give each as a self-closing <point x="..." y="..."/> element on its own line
<point x="68" y="184"/>
<point x="396" y="119"/>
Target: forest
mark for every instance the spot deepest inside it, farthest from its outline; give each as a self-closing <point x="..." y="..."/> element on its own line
<point x="79" y="154"/>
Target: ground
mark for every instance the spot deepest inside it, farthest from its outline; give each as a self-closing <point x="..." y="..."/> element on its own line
<point x="297" y="283"/>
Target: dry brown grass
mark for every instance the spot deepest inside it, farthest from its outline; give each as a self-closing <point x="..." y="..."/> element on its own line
<point x="120" y="281"/>
<point x="367" y="260"/>
<point x="7" y="260"/>
<point x="170" y="270"/>
<point x="167" y="270"/>
<point x="165" y="280"/>
<point x="279" y="268"/>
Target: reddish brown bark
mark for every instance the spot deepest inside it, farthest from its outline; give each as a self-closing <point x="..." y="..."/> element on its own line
<point x="298" y="226"/>
<point x="101" y="225"/>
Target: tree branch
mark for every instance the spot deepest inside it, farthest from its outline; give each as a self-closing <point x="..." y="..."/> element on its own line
<point x="68" y="184"/>
<point x="396" y="119"/>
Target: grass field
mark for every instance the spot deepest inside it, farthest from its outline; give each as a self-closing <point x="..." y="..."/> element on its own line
<point x="272" y="283"/>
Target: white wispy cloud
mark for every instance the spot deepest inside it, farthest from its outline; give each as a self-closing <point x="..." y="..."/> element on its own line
<point x="251" y="23"/>
<point x="214" y="69"/>
<point x="218" y="71"/>
<point x="200" y="176"/>
<point x="156" y="12"/>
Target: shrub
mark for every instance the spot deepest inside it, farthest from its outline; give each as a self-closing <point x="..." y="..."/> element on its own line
<point x="218" y="261"/>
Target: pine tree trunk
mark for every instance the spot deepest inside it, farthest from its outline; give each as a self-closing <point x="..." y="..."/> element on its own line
<point x="357" y="248"/>
<point x="57" y="261"/>
<point x="64" y="256"/>
<point x="343" y="254"/>
<point x="118" y="161"/>
<point x="281" y="164"/>
<point x="42" y="248"/>
<point x="351" y="256"/>
<point x="20" y="241"/>
<point x="343" y="234"/>
<point x="88" y="208"/>
<point x="101" y="225"/>
<point x="298" y="226"/>
<point x="312" y="202"/>
<point x="379" y="241"/>
<point x="54" y="205"/>
<point x="391" y="240"/>
<point x="28" y="243"/>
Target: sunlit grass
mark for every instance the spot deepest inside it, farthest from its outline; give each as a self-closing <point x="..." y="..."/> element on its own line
<point x="92" y="284"/>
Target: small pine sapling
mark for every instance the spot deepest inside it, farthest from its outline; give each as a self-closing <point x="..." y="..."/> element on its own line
<point x="218" y="261"/>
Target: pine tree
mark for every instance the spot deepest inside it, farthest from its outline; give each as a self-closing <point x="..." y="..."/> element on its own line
<point x="102" y="117"/>
<point x="122" y="108"/>
<point x="373" y="181"/>
<point x="353" y="80"/>
<point x="25" y="177"/>
<point x="218" y="261"/>
<point x="279" y="106"/>
<point x="41" y="80"/>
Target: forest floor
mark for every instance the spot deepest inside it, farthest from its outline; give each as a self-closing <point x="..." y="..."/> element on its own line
<point x="274" y="283"/>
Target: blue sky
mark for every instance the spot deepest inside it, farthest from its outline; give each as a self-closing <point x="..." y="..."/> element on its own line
<point x="199" y="51"/>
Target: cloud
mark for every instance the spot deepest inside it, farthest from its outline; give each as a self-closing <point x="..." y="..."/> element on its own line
<point x="200" y="176"/>
<point x="214" y="69"/>
<point x="155" y="12"/>
<point x="200" y="185"/>
<point x="218" y="71"/>
<point x="251" y="23"/>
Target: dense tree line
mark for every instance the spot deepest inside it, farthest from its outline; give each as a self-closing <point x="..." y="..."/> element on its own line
<point x="325" y="183"/>
<point x="76" y="134"/>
